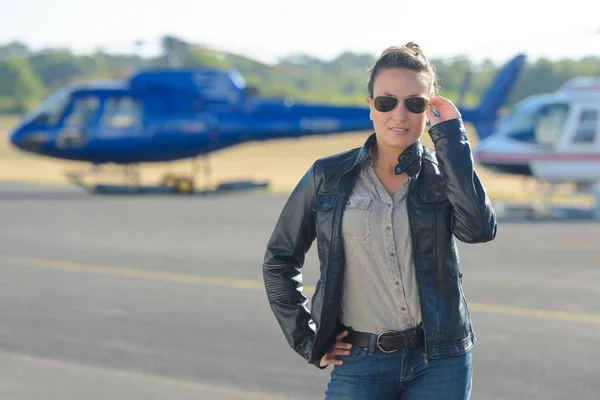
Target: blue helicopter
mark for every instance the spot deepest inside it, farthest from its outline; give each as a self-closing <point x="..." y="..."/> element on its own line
<point x="168" y="114"/>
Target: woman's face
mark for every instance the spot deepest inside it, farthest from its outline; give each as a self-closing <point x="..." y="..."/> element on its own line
<point x="399" y="128"/>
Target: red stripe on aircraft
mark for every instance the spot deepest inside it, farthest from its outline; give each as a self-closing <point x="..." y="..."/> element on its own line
<point x="516" y="157"/>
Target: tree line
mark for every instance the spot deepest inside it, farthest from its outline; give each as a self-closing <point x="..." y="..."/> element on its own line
<point x="27" y="77"/>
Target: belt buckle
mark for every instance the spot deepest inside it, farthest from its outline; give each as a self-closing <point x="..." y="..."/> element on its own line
<point x="379" y="345"/>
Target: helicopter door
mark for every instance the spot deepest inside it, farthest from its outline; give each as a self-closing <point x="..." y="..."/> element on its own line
<point x="78" y="122"/>
<point x="549" y="125"/>
<point x="587" y="129"/>
<point x="121" y="116"/>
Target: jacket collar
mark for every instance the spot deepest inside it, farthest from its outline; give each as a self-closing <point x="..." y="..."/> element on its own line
<point x="363" y="152"/>
<point x="409" y="161"/>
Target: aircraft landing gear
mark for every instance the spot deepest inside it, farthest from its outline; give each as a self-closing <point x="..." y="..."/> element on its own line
<point x="131" y="175"/>
<point x="543" y="207"/>
<point x="91" y="178"/>
<point x="170" y="183"/>
<point x="186" y="184"/>
<point x="179" y="184"/>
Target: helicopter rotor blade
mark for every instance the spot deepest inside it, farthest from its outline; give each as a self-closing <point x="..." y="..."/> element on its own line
<point x="233" y="57"/>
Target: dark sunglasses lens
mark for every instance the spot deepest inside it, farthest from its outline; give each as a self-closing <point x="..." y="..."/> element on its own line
<point x="415" y="104"/>
<point x="385" y="103"/>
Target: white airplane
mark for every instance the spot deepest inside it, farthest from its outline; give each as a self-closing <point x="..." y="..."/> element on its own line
<point x="553" y="137"/>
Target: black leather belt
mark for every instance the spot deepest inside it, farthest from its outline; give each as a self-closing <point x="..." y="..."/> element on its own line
<point x="388" y="342"/>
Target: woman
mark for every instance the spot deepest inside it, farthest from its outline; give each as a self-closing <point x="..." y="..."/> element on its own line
<point x="388" y="311"/>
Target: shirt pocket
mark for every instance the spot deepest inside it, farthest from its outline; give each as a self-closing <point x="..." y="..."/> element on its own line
<point x="356" y="223"/>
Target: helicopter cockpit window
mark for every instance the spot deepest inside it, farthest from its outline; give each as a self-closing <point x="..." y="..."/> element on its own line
<point x="541" y="125"/>
<point x="83" y="112"/>
<point x="586" y="127"/>
<point x="51" y="109"/>
<point x="121" y="112"/>
<point x="519" y="127"/>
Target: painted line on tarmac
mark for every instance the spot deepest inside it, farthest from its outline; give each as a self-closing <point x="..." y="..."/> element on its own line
<point x="23" y="370"/>
<point x="133" y="272"/>
<point x="256" y="284"/>
<point x="535" y="313"/>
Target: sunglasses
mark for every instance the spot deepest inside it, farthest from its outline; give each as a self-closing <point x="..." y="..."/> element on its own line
<point x="415" y="105"/>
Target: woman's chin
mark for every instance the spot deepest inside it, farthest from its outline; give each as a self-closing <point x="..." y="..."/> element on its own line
<point x="400" y="142"/>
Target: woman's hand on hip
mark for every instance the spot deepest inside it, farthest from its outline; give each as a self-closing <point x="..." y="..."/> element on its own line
<point x="339" y="348"/>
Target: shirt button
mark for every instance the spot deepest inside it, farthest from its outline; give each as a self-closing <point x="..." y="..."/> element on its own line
<point x="392" y="255"/>
<point x="397" y="283"/>
<point x="389" y="228"/>
<point x="403" y="308"/>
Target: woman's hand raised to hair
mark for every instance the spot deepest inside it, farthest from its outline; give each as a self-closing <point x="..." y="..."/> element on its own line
<point x="446" y="110"/>
<point x="339" y="348"/>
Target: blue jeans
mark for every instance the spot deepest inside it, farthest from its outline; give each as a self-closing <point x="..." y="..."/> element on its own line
<point x="369" y="373"/>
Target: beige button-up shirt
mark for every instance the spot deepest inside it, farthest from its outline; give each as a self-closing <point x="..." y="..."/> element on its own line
<point x="380" y="287"/>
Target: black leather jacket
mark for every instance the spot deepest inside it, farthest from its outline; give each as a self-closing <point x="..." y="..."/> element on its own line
<point x="446" y="200"/>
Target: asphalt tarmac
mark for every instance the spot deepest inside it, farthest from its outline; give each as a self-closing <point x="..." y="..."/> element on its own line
<point x="161" y="297"/>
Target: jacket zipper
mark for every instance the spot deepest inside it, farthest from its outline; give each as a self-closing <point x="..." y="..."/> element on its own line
<point x="412" y="234"/>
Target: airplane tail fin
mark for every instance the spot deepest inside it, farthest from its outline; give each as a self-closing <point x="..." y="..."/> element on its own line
<point x="502" y="85"/>
<point x="496" y="95"/>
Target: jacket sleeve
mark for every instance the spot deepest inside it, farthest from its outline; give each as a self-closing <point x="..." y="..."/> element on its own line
<point x="284" y="257"/>
<point x="473" y="218"/>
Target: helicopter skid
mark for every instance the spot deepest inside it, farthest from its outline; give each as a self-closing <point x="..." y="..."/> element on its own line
<point x="170" y="185"/>
<point x="166" y="189"/>
<point x="543" y="211"/>
<point x="537" y="212"/>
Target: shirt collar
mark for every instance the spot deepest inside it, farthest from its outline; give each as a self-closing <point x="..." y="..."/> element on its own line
<point x="409" y="161"/>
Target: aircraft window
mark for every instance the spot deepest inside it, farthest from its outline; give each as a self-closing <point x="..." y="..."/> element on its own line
<point x="120" y="112"/>
<point x="83" y="112"/>
<point x="56" y="111"/>
<point x="541" y="125"/>
<point x="51" y="109"/>
<point x="549" y="123"/>
<point x="586" y="131"/>
<point x="519" y="127"/>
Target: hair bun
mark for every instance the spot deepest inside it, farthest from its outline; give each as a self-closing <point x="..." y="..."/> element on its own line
<point x="415" y="47"/>
<point x="409" y="56"/>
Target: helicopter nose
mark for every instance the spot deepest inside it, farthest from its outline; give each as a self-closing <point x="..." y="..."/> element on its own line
<point x="29" y="141"/>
